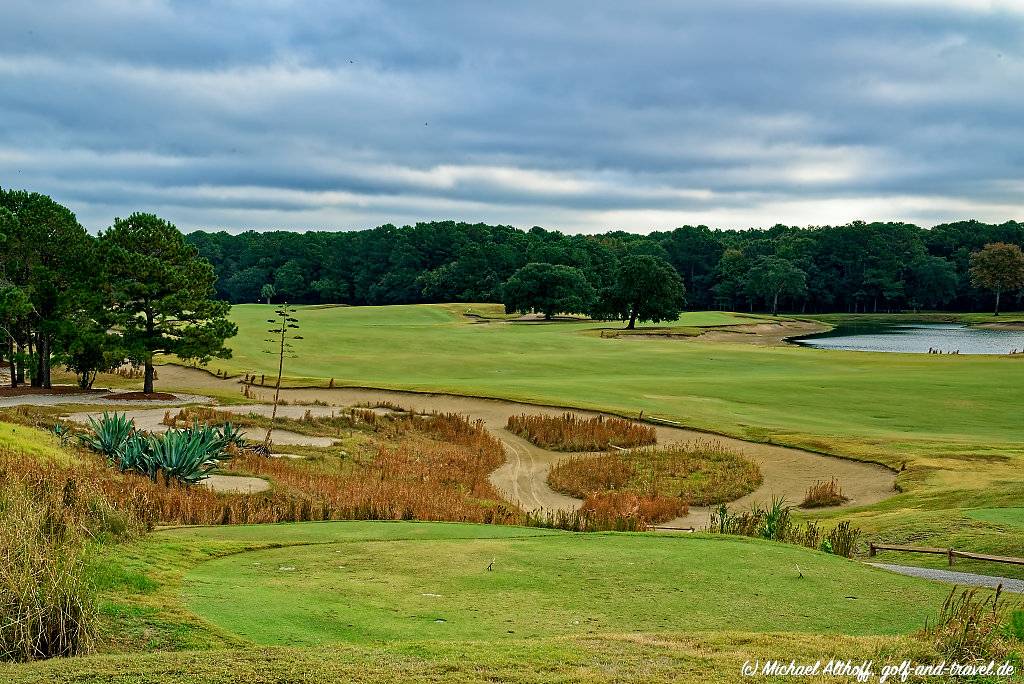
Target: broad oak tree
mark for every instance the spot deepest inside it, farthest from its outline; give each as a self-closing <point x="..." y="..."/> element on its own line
<point x="645" y="288"/>
<point x="998" y="267"/>
<point x="775" y="276"/>
<point x="548" y="289"/>
<point x="162" y="294"/>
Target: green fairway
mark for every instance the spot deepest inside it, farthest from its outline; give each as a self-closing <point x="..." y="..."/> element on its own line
<point x="878" y="406"/>
<point x="426" y="583"/>
<point x="1012" y="517"/>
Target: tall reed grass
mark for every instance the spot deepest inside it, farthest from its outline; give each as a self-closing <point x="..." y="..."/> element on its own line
<point x="775" y="523"/>
<point x="972" y="626"/>
<point x="47" y="602"/>
<point x="571" y="432"/>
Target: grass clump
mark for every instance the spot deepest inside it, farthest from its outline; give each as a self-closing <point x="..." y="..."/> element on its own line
<point x="972" y="627"/>
<point x="774" y="522"/>
<point x="47" y="600"/>
<point x="571" y="432"/>
<point x="657" y="484"/>
<point x="822" y="494"/>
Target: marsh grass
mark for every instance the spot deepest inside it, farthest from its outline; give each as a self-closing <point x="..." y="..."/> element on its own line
<point x="656" y="484"/>
<point x="571" y="432"/>
<point x="47" y="600"/>
<point x="417" y="466"/>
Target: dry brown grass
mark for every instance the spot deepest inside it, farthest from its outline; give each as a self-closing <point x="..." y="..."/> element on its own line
<point x="424" y="467"/>
<point x="821" y="494"/>
<point x="570" y="432"/>
<point x="699" y="473"/>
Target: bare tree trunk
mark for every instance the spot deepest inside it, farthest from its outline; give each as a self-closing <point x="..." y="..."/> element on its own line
<point x="44" y="362"/>
<point x="21" y="366"/>
<point x="147" y="382"/>
<point x="998" y="292"/>
<point x="277" y="390"/>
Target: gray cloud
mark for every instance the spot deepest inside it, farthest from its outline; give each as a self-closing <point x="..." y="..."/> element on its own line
<point x="576" y="115"/>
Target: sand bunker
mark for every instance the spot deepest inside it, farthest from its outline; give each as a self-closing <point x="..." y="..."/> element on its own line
<point x="787" y="472"/>
<point x="235" y="484"/>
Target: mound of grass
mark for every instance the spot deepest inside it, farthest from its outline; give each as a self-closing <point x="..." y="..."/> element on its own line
<point x="558" y="584"/>
<point x="699" y="473"/>
<point x="571" y="432"/>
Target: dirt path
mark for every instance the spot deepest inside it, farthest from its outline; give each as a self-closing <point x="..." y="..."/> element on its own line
<point x="151" y="420"/>
<point x="523" y="478"/>
<point x="97" y="398"/>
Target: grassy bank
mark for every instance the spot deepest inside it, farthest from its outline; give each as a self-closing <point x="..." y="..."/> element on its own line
<point x="372" y="601"/>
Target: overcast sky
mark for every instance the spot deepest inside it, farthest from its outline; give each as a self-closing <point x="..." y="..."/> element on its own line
<point x="581" y="116"/>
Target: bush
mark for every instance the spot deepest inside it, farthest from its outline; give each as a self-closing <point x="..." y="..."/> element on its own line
<point x="570" y="432"/>
<point x="187" y="455"/>
<point x="109" y="435"/>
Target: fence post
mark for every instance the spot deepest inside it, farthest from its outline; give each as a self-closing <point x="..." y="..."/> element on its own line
<point x="951" y="556"/>
<point x="871" y="550"/>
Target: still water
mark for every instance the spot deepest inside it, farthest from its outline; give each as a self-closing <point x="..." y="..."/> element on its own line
<point x="916" y="338"/>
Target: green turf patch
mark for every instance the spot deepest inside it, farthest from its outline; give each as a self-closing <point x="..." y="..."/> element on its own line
<point x="425" y="584"/>
<point x="1013" y="517"/>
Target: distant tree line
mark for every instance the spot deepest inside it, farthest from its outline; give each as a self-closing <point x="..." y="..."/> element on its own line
<point x="91" y="304"/>
<point x="859" y="267"/>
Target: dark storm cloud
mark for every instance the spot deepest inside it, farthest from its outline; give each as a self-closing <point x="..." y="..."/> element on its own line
<point x="578" y="115"/>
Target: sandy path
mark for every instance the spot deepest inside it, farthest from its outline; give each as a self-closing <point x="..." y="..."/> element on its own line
<point x="96" y="398"/>
<point x="523" y="478"/>
<point x="151" y="420"/>
<point x="235" y="484"/>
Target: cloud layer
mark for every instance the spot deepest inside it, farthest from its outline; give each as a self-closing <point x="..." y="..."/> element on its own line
<point x="584" y="116"/>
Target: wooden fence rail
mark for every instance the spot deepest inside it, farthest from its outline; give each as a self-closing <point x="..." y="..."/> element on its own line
<point x="949" y="553"/>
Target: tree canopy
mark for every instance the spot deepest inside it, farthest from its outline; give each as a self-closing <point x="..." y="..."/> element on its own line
<point x="548" y="289"/>
<point x="162" y="294"/>
<point x="645" y="288"/>
<point x="857" y="267"/>
<point x="998" y="267"/>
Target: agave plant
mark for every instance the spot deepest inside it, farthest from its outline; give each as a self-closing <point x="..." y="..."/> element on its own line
<point x="109" y="434"/>
<point x="137" y="455"/>
<point x="188" y="455"/>
<point x="233" y="435"/>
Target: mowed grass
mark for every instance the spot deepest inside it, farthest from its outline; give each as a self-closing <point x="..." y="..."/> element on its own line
<point x="430" y="581"/>
<point x="1010" y="517"/>
<point x="886" y="407"/>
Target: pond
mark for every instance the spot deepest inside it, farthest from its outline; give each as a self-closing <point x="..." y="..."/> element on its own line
<point x="916" y="338"/>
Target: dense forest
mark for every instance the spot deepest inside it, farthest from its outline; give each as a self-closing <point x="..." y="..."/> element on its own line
<point x="859" y="267"/>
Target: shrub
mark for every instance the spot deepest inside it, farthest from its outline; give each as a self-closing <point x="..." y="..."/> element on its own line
<point x="971" y="627"/>
<point x="570" y="432"/>
<point x="842" y="539"/>
<point x="187" y="455"/>
<point x="821" y="494"/>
